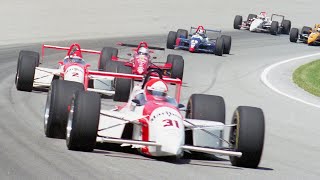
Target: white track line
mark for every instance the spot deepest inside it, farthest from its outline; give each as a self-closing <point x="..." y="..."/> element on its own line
<point x="265" y="72"/>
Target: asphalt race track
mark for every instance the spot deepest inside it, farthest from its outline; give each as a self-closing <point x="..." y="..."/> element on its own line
<point x="291" y="150"/>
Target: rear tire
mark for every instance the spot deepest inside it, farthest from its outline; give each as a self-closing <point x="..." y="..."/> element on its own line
<point x="294" y="33"/>
<point x="219" y="46"/>
<point x="274" y="28"/>
<point x="227" y="44"/>
<point x="237" y="22"/>
<point x="56" y="109"/>
<point x="171" y="39"/>
<point x="182" y="33"/>
<point x="177" y="68"/>
<point x="26" y="68"/>
<point x="122" y="86"/>
<point x="106" y="57"/>
<point x="205" y="107"/>
<point x="83" y="121"/>
<point x="306" y="30"/>
<point x="248" y="136"/>
<point x="286" y="26"/>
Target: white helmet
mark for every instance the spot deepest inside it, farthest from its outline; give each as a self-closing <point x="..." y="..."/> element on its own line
<point x="318" y="29"/>
<point x="143" y="51"/>
<point x="200" y="31"/>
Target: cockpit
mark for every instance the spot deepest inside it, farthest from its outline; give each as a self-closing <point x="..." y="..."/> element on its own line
<point x="74" y="60"/>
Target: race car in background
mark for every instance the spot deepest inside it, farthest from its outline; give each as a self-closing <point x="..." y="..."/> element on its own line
<point x="151" y="121"/>
<point x="198" y="41"/>
<point x="141" y="61"/>
<point x="308" y="35"/>
<point x="277" y="24"/>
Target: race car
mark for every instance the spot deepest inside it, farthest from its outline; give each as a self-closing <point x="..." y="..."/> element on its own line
<point x="308" y="35"/>
<point x="198" y="41"/>
<point x="141" y="61"/>
<point x="263" y="23"/>
<point x="71" y="68"/>
<point x="151" y="122"/>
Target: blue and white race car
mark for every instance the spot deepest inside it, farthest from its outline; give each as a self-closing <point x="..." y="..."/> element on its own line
<point x="198" y="41"/>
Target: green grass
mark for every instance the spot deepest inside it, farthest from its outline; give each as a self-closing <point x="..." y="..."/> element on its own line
<point x="307" y="77"/>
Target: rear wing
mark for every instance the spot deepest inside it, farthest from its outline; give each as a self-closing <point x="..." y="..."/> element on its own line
<point x="206" y="30"/>
<point x="45" y="46"/>
<point x="101" y="74"/>
<point x="141" y="44"/>
<point x="277" y="15"/>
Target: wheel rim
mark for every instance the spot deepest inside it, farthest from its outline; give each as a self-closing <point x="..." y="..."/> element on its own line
<point x="47" y="111"/>
<point x="69" y="124"/>
<point x="234" y="135"/>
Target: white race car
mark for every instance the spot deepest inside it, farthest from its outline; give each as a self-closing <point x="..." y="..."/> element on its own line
<point x="152" y="122"/>
<point x="262" y="23"/>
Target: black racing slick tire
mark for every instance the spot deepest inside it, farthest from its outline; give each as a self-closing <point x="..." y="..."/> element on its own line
<point x="274" y="28"/>
<point x="171" y="39"/>
<point x="286" y="26"/>
<point x="182" y="33"/>
<point x="237" y="22"/>
<point x="177" y="68"/>
<point x="294" y="34"/>
<point x="26" y="68"/>
<point x="247" y="136"/>
<point x="306" y="30"/>
<point x="205" y="107"/>
<point x="57" y="106"/>
<point x="227" y="44"/>
<point x="219" y="46"/>
<point x="122" y="86"/>
<point x="83" y="121"/>
<point x="106" y="57"/>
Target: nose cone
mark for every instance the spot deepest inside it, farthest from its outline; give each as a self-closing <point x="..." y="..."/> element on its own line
<point x="312" y="37"/>
<point x="191" y="49"/>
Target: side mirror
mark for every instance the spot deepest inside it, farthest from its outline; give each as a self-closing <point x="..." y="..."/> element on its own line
<point x="136" y="101"/>
<point x="181" y="107"/>
<point x="154" y="57"/>
<point x="129" y="54"/>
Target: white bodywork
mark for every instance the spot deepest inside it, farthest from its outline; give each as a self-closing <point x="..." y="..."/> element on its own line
<point x="258" y="24"/>
<point x="166" y="130"/>
<point x="44" y="76"/>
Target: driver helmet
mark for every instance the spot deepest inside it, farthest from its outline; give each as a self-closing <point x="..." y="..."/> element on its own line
<point x="143" y="51"/>
<point x="200" y="32"/>
<point x="156" y="89"/>
<point x="262" y="15"/>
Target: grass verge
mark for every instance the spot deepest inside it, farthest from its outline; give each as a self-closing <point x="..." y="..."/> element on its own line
<point x="307" y="77"/>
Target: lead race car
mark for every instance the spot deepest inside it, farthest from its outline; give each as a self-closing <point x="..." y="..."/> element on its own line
<point x="141" y="60"/>
<point x="151" y="121"/>
<point x="198" y="41"/>
<point x="263" y="23"/>
<point x="308" y="35"/>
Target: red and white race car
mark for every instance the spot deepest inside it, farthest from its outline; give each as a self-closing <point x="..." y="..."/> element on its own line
<point x="151" y="121"/>
<point x="141" y="61"/>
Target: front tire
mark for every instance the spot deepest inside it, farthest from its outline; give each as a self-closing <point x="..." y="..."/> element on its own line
<point x="247" y="136"/>
<point x="57" y="104"/>
<point x="83" y="121"/>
